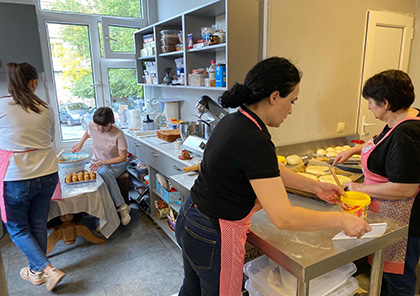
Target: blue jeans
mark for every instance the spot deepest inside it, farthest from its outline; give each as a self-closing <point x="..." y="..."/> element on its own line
<point x="27" y="206"/>
<point x="403" y="284"/>
<point x="200" y="245"/>
<point x="110" y="173"/>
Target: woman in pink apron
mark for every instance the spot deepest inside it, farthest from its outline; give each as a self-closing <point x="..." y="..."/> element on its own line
<point x="28" y="171"/>
<point x="239" y="175"/>
<point x="391" y="166"/>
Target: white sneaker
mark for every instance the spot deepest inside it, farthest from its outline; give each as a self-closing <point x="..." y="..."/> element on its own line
<point x="125" y="214"/>
<point x="36" y="278"/>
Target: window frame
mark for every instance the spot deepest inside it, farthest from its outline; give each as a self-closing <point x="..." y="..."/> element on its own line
<point x="118" y="60"/>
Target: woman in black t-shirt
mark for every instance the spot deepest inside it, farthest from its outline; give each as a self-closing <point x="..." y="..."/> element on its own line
<point x="239" y="174"/>
<point x="391" y="165"/>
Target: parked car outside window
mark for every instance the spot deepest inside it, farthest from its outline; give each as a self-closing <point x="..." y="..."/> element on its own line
<point x="71" y="113"/>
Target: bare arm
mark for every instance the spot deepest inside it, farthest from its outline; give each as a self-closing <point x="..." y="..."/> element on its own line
<point x="122" y="156"/>
<point x="78" y="146"/>
<point x="273" y="198"/>
<point x="345" y="155"/>
<point x="389" y="190"/>
<point x="325" y="191"/>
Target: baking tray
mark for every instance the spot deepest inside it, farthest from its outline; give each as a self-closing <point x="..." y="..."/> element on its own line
<point x="80" y="182"/>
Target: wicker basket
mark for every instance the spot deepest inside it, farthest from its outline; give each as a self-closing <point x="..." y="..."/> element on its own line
<point x="168" y="135"/>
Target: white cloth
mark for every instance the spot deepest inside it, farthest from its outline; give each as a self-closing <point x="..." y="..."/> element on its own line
<point x="92" y="198"/>
<point x="20" y="131"/>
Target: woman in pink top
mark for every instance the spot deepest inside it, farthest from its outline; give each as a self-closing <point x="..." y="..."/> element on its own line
<point x="109" y="155"/>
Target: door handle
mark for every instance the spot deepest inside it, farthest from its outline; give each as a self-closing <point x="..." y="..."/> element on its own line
<point x="154" y="154"/>
<point x="178" y="169"/>
<point x="364" y="125"/>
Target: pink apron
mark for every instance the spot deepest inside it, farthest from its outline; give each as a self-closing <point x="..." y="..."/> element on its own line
<point x="4" y="163"/>
<point x="233" y="239"/>
<point x="396" y="209"/>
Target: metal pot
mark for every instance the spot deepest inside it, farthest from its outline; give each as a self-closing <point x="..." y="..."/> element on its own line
<point x="191" y="128"/>
<point x="208" y="127"/>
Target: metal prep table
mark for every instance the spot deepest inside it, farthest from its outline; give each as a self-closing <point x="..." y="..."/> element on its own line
<point x="307" y="255"/>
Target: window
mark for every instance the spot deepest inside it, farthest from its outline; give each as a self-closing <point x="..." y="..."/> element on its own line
<point x="82" y="41"/>
<point x="131" y="8"/>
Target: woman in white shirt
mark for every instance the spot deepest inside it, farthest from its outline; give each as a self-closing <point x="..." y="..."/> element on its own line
<point x="28" y="171"/>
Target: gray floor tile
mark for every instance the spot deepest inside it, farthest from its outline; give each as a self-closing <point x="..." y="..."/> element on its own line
<point x="138" y="259"/>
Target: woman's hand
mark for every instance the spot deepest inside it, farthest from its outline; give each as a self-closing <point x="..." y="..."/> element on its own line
<point x="96" y="165"/>
<point x="354" y="226"/>
<point x="353" y="186"/>
<point x="329" y="192"/>
<point x="77" y="147"/>
<point x="343" y="156"/>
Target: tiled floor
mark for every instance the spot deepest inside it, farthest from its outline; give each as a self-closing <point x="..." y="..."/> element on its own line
<point x="136" y="260"/>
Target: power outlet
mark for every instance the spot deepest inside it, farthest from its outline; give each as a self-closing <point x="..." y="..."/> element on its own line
<point x="340" y="127"/>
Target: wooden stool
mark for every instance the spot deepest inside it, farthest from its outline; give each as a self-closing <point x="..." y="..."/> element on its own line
<point x="123" y="185"/>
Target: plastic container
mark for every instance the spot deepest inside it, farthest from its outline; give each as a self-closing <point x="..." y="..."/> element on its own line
<point x="148" y="38"/>
<point x="72" y="162"/>
<point x="168" y="197"/>
<point x="355" y="203"/>
<point x="251" y="290"/>
<point x="170" y="33"/>
<point x="271" y="280"/>
<point x="221" y="75"/>
<point x="212" y="73"/>
<point x="168" y="48"/>
<point x="169" y="41"/>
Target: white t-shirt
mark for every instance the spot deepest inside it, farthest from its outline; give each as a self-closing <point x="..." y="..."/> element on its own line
<point x="20" y="131"/>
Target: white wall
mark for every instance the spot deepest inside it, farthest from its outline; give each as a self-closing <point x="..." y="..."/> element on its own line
<point x="170" y="8"/>
<point x="414" y="69"/>
<point x="325" y="39"/>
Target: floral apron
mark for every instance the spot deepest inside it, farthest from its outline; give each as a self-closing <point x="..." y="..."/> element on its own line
<point x="233" y="239"/>
<point x="399" y="210"/>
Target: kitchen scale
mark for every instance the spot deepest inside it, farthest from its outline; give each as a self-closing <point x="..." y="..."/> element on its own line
<point x="194" y="144"/>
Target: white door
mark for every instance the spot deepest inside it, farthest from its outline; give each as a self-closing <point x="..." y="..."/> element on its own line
<point x="388" y="41"/>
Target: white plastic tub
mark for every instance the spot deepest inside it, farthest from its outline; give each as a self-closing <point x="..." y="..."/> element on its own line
<point x="269" y="279"/>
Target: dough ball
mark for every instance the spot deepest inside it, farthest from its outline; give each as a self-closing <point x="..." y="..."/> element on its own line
<point x="310" y="176"/>
<point x="338" y="149"/>
<point x="330" y="149"/>
<point x="355" y="156"/>
<point x="294" y="159"/>
<point x="330" y="179"/>
<point x="346" y="147"/>
<point x="331" y="154"/>
<point x="318" y="170"/>
<point x="321" y="152"/>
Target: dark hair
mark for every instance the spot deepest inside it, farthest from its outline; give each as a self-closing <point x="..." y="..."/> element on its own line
<point x="395" y="86"/>
<point x="269" y="75"/>
<point x="103" y="116"/>
<point x="18" y="78"/>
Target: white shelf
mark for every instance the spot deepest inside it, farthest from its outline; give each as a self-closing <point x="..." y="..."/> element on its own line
<point x="210" y="48"/>
<point x="186" y="86"/>
<point x="172" y="53"/>
<point x="164" y="226"/>
<point x="176" y="207"/>
<point x="146" y="58"/>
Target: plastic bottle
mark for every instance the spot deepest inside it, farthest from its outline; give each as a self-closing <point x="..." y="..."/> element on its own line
<point x="212" y="73"/>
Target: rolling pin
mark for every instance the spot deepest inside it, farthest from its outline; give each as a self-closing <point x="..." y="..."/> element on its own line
<point x="193" y="168"/>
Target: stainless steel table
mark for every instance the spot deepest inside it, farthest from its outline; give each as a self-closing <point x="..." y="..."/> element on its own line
<point x="307" y="255"/>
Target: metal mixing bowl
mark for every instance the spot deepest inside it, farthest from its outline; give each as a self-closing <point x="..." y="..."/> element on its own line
<point x="191" y="128"/>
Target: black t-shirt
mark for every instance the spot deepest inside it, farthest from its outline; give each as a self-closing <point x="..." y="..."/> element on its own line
<point x="237" y="152"/>
<point x="398" y="159"/>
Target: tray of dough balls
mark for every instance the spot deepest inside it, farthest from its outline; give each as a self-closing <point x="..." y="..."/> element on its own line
<point x="81" y="177"/>
<point x="316" y="167"/>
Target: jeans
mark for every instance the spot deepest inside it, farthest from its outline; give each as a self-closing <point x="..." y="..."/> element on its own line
<point x="403" y="284"/>
<point x="110" y="173"/>
<point x="27" y="206"/>
<point x="200" y="245"/>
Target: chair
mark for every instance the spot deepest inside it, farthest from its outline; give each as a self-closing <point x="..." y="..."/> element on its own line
<point x="122" y="181"/>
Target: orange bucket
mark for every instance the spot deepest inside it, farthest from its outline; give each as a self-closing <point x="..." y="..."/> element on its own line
<point x="355" y="203"/>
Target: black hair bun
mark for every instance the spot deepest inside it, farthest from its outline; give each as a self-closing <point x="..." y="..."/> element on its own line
<point x="237" y="96"/>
